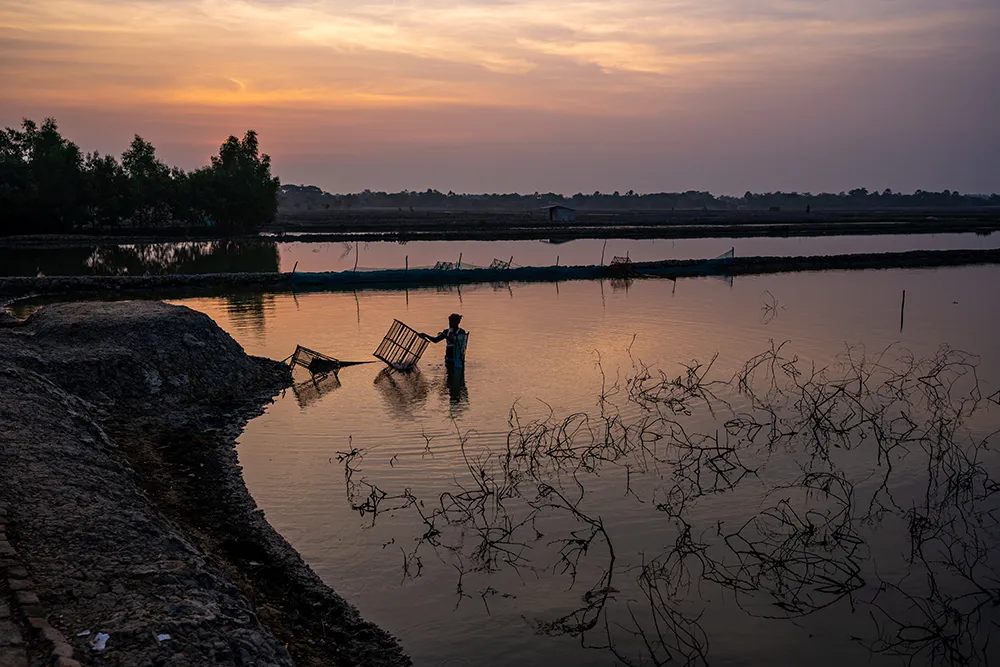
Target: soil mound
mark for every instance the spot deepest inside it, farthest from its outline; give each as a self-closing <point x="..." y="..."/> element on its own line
<point x="126" y="355"/>
<point x="118" y="464"/>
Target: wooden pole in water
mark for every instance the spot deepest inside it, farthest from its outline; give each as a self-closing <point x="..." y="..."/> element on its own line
<point x="407" y="269"/>
<point x="602" y="251"/>
<point x="902" y="311"/>
<point x="459" y="260"/>
<point x="356" y="253"/>
<point x="511" y="261"/>
<point x="557" y="260"/>
<point x="295" y="267"/>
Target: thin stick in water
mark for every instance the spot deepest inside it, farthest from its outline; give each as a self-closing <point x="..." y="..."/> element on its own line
<point x="902" y="311"/>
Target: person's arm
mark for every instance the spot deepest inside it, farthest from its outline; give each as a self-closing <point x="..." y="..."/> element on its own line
<point x="434" y="339"/>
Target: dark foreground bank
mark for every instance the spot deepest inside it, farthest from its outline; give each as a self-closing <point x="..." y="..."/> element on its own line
<point x="127" y="504"/>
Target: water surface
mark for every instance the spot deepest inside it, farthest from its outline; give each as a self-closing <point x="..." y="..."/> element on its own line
<point x="554" y="588"/>
<point x="270" y="256"/>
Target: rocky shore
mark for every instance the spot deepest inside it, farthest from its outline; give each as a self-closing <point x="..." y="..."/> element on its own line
<point x="127" y="508"/>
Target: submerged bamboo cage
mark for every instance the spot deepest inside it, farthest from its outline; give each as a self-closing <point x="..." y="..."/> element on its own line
<point x="317" y="363"/>
<point x="401" y="348"/>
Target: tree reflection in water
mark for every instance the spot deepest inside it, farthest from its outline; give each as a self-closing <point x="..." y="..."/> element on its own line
<point x="862" y="434"/>
<point x="248" y="311"/>
<point x="185" y="257"/>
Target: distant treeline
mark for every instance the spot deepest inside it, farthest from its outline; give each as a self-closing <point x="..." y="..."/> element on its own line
<point x="302" y="198"/>
<point x="47" y="185"/>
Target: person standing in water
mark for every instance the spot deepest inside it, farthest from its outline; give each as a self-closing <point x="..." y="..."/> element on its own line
<point x="456" y="337"/>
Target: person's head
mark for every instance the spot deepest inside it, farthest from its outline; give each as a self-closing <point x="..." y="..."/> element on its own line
<point x="453" y="320"/>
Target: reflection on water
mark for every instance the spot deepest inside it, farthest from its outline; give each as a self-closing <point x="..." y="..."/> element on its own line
<point x="808" y="545"/>
<point x="186" y="257"/>
<point x="404" y="392"/>
<point x="249" y="310"/>
<point x="653" y="474"/>
<point x="457" y="391"/>
<point x="502" y="287"/>
<point x="309" y="392"/>
<point x="620" y="284"/>
<point x="269" y="256"/>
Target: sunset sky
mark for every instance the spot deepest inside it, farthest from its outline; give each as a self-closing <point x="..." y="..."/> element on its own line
<point x="510" y="95"/>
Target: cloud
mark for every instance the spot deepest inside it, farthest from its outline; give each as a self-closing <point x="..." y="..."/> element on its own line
<point x="560" y="73"/>
<point x="477" y="52"/>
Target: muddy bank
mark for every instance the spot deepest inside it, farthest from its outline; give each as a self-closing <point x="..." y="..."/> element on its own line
<point x="127" y="503"/>
<point x="185" y="284"/>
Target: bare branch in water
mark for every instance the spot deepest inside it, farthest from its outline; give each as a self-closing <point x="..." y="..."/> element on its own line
<point x="834" y="456"/>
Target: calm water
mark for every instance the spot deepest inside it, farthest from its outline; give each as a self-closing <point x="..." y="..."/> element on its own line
<point x="267" y="256"/>
<point x="482" y="535"/>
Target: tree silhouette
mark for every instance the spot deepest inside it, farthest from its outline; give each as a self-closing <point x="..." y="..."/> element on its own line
<point x="43" y="179"/>
<point x="149" y="184"/>
<point x="242" y="194"/>
<point x="47" y="185"/>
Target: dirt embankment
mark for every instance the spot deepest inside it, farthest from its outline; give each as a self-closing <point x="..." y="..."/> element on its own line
<point x="117" y="461"/>
<point x="181" y="285"/>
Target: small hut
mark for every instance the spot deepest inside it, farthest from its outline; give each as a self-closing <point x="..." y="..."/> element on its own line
<point x="559" y="213"/>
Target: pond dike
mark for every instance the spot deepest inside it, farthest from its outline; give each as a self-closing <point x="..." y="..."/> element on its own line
<point x="181" y="284"/>
<point x="126" y="512"/>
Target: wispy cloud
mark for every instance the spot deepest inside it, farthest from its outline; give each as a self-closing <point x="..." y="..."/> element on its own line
<point x="502" y="53"/>
<point x="680" y="63"/>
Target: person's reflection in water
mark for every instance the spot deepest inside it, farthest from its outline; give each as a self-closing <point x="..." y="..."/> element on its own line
<point x="458" y="392"/>
<point x="454" y="363"/>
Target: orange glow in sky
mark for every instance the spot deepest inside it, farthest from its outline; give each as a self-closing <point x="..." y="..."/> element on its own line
<point x="495" y="95"/>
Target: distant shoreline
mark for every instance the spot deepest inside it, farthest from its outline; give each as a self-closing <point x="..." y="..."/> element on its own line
<point x="430" y="225"/>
